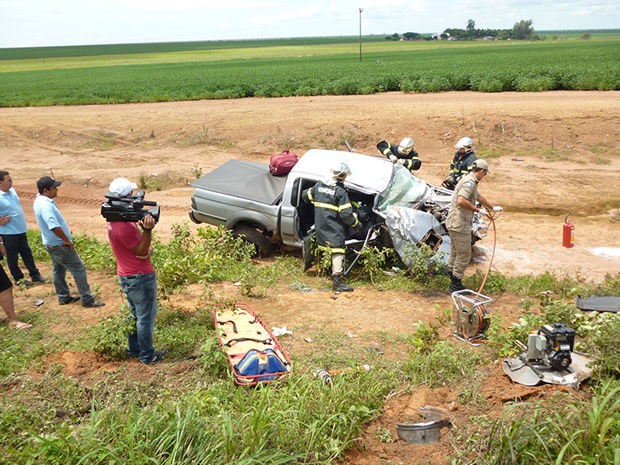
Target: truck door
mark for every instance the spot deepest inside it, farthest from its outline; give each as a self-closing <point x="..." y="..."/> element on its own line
<point x="288" y="213"/>
<point x="296" y="216"/>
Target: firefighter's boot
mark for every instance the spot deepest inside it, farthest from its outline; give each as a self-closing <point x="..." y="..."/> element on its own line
<point x="455" y="284"/>
<point x="339" y="285"/>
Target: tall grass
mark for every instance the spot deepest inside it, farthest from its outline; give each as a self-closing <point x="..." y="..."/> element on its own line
<point x="301" y="421"/>
<point x="585" y="432"/>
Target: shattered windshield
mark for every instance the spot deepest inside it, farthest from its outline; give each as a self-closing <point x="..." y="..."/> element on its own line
<point x="404" y="189"/>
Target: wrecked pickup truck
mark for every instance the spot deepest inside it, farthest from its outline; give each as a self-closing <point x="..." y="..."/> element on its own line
<point x="397" y="209"/>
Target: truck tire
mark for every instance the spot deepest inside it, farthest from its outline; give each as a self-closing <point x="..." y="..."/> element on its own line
<point x="256" y="238"/>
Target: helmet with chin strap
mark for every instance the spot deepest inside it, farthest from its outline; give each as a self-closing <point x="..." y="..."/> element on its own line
<point x="406" y="146"/>
<point x="340" y="171"/>
<point x="464" y="143"/>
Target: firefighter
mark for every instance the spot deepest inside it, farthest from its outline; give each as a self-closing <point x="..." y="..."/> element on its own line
<point x="402" y="153"/>
<point x="462" y="162"/>
<point x="333" y="214"/>
<point x="460" y="215"/>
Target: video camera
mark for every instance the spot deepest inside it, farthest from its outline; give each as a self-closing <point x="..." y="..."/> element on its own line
<point x="128" y="208"/>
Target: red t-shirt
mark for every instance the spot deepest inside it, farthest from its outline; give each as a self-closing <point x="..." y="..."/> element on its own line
<point x="124" y="236"/>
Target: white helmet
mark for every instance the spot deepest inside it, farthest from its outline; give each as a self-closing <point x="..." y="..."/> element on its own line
<point x="406" y="146"/>
<point x="464" y="143"/>
<point x="340" y="171"/>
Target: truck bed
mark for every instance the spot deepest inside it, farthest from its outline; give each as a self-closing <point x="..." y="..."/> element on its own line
<point x="244" y="179"/>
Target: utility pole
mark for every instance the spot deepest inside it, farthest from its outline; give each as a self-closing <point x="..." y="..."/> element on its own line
<point x="361" y="9"/>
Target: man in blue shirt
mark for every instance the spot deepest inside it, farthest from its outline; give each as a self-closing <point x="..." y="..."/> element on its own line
<point x="13" y="230"/>
<point x="57" y="240"/>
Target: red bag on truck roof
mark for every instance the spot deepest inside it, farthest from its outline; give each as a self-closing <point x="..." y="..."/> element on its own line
<point x="282" y="163"/>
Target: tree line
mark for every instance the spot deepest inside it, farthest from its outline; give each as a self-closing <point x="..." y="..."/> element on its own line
<point x="522" y="30"/>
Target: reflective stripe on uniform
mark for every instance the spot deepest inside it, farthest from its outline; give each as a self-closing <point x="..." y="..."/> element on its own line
<point x="332" y="250"/>
<point x="329" y="206"/>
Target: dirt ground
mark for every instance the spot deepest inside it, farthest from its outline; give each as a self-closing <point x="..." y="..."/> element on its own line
<point x="550" y="154"/>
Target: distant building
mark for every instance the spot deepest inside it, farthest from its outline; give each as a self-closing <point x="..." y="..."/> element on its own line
<point x="440" y="36"/>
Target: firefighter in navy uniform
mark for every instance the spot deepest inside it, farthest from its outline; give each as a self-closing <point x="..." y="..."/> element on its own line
<point x="333" y="214"/>
<point x="462" y="162"/>
<point x="402" y="153"/>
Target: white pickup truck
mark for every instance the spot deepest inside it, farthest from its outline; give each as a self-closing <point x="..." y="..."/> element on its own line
<point x="267" y="210"/>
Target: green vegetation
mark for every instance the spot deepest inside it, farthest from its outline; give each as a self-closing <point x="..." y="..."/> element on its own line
<point x="168" y="47"/>
<point x="172" y="72"/>
<point x="196" y="415"/>
<point x="585" y="432"/>
<point x="522" y="30"/>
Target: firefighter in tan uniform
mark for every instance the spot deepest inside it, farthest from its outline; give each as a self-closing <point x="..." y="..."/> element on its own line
<point x="462" y="209"/>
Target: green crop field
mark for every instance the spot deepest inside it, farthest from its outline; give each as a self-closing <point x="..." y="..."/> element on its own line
<point x="289" y="67"/>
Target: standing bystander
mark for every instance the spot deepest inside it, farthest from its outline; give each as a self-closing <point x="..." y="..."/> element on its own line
<point x="58" y="242"/>
<point x="136" y="276"/>
<point x="6" y="298"/>
<point x="13" y="230"/>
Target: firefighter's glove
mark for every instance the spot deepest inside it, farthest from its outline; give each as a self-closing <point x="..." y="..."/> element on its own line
<point x="401" y="161"/>
<point x="483" y="212"/>
<point x="449" y="183"/>
<point x="393" y="158"/>
<point x="497" y="209"/>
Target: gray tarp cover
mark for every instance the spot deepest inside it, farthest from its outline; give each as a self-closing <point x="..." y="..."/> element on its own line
<point x="245" y="179"/>
<point x="599" y="303"/>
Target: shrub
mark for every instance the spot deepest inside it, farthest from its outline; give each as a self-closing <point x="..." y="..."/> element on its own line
<point x="443" y="365"/>
<point x="534" y="83"/>
<point x="214" y="254"/>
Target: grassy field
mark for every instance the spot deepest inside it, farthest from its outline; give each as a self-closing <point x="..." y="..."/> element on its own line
<point x="211" y="70"/>
<point x="196" y="415"/>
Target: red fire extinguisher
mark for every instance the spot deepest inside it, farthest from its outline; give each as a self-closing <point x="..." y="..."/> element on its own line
<point x="568" y="231"/>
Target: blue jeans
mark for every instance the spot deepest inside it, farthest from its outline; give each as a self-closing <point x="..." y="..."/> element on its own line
<point x="141" y="293"/>
<point x="65" y="258"/>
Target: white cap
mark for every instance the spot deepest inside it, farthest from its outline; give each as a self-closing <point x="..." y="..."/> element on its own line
<point x="122" y="186"/>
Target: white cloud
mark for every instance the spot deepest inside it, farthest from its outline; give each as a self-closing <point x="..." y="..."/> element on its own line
<point x="65" y="22"/>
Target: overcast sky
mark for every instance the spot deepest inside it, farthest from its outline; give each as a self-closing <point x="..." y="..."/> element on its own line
<point x="27" y="23"/>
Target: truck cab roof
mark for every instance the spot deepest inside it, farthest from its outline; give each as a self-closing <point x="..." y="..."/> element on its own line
<point x="369" y="173"/>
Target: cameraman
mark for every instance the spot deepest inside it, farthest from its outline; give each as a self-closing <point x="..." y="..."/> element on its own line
<point x="136" y="275"/>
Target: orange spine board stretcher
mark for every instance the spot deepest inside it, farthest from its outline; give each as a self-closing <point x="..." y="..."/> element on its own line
<point x="247" y="342"/>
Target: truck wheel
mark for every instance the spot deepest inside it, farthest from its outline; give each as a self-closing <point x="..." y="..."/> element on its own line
<point x="256" y="238"/>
